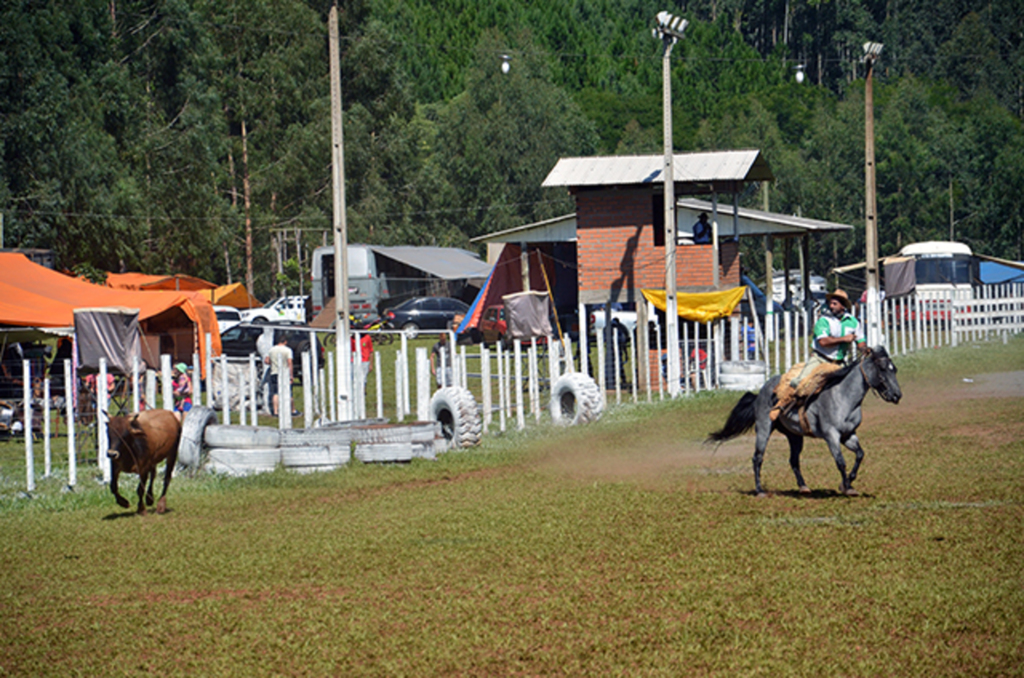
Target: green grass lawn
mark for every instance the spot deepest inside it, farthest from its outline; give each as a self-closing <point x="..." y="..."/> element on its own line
<point x="622" y="548"/>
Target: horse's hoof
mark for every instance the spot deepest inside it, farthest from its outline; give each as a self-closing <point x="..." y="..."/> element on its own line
<point x="761" y="495"/>
<point x="122" y="502"/>
<point x="161" y="506"/>
<point x="804" y="489"/>
<point x="848" y="491"/>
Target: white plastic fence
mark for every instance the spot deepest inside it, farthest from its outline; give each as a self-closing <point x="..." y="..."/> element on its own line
<point x="511" y="383"/>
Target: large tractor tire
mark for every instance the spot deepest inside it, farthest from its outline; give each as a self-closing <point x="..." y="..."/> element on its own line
<point x="190" y="446"/>
<point x="575" y="399"/>
<point x="455" y="408"/>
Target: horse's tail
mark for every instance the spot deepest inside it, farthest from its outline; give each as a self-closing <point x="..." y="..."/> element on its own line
<point x="740" y="420"/>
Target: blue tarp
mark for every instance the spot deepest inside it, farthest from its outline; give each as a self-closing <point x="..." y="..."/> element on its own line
<point x="992" y="273"/>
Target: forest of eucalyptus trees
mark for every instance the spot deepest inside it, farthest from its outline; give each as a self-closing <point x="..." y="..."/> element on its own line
<point x="193" y="135"/>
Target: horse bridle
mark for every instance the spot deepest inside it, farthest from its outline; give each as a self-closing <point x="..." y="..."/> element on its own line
<point x="882" y="390"/>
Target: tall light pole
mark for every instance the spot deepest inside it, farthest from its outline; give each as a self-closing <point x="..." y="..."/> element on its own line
<point x="341" y="343"/>
<point x="872" y="52"/>
<point x="669" y="29"/>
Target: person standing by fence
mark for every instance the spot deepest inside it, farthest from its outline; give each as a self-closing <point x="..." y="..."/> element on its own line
<point x="280" y="359"/>
<point x="182" y="387"/>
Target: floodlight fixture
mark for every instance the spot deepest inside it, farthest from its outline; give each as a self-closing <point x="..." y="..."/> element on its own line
<point x="669" y="26"/>
<point x="799" y="68"/>
<point x="872" y="50"/>
<point x="505" y="65"/>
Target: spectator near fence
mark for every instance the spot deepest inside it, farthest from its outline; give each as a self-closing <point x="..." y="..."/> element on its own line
<point x="365" y="353"/>
<point x="279" y="358"/>
<point x="439" y="356"/>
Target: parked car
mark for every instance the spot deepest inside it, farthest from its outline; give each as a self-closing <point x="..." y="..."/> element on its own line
<point x="492" y="325"/>
<point x="241" y="340"/>
<point x="227" y="317"/>
<point x="425" y="313"/>
<point x="297" y="308"/>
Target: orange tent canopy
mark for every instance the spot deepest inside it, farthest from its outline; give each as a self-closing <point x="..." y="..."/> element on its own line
<point x="144" y="281"/>
<point x="234" y="294"/>
<point x="36" y="296"/>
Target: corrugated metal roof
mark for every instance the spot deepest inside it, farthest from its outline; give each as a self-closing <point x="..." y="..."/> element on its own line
<point x="558" y="229"/>
<point x="447" y="263"/>
<point x="627" y="170"/>
<point x="756" y="222"/>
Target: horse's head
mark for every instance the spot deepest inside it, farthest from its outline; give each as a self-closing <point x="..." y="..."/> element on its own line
<point x="880" y="373"/>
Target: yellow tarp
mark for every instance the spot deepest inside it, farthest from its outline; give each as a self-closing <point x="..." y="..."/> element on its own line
<point x="702" y="307"/>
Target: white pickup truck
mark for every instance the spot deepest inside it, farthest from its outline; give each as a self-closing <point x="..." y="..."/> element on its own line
<point x="282" y="308"/>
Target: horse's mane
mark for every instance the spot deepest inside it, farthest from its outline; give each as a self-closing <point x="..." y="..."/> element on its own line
<point x="833" y="378"/>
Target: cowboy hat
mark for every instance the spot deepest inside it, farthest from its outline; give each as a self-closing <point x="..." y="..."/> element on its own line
<point x="841" y="296"/>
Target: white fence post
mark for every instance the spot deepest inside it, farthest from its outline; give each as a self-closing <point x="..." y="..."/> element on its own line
<point x="103" y="443"/>
<point x="70" y="394"/>
<point x="518" y="386"/>
<point x="166" y="387"/>
<point x="26" y="392"/>
<point x="307" y="388"/>
<point x="225" y="392"/>
<point x="47" y="458"/>
<point x="485" y="385"/>
<point x="422" y="384"/>
<point x="501" y="388"/>
<point x="209" y="371"/>
<point x="584" y="340"/>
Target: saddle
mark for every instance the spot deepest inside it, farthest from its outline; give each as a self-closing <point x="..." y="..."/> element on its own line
<point x="788" y="397"/>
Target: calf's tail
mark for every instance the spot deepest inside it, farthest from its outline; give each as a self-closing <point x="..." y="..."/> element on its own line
<point x="740" y="420"/>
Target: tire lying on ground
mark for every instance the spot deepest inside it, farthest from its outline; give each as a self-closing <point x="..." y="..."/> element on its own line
<point x="241" y="437"/>
<point x="243" y="462"/>
<point x="575" y="399"/>
<point x="742" y="375"/>
<point x="190" y="447"/>
<point x="455" y="408"/>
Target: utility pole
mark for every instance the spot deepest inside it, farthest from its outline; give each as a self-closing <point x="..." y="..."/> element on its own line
<point x="872" y="51"/>
<point x="340" y="227"/>
<point x="669" y="29"/>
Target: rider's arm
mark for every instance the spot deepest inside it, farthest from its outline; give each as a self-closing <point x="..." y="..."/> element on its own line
<point x="832" y="341"/>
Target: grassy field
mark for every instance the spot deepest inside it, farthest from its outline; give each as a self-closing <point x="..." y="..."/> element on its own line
<point x="622" y="548"/>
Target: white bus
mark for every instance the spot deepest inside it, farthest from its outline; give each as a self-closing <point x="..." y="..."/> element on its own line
<point x="941" y="266"/>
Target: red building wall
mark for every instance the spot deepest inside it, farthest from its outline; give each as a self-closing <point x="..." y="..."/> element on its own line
<point x="616" y="250"/>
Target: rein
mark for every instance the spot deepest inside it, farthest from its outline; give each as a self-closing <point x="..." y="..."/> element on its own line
<point x="871" y="387"/>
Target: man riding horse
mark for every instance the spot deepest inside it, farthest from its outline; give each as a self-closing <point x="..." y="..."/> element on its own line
<point x="835" y="334"/>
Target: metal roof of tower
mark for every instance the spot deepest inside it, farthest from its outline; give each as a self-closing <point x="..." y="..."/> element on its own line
<point x="626" y="170"/>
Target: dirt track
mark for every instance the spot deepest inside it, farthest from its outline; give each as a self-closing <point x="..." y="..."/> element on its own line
<point x="661" y="459"/>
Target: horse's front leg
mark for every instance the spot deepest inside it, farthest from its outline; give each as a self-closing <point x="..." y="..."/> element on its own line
<point x="853" y="444"/>
<point x="796" y="446"/>
<point x="832" y="439"/>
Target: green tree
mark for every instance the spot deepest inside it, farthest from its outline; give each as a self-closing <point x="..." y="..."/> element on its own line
<point x="501" y="137"/>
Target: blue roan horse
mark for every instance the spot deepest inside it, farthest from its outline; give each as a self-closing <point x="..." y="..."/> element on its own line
<point x="832" y="414"/>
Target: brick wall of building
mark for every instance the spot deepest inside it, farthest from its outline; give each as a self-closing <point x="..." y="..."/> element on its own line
<point x="616" y="250"/>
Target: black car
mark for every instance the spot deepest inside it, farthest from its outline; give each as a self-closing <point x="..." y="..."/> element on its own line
<point x="425" y="313"/>
<point x="240" y="340"/>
